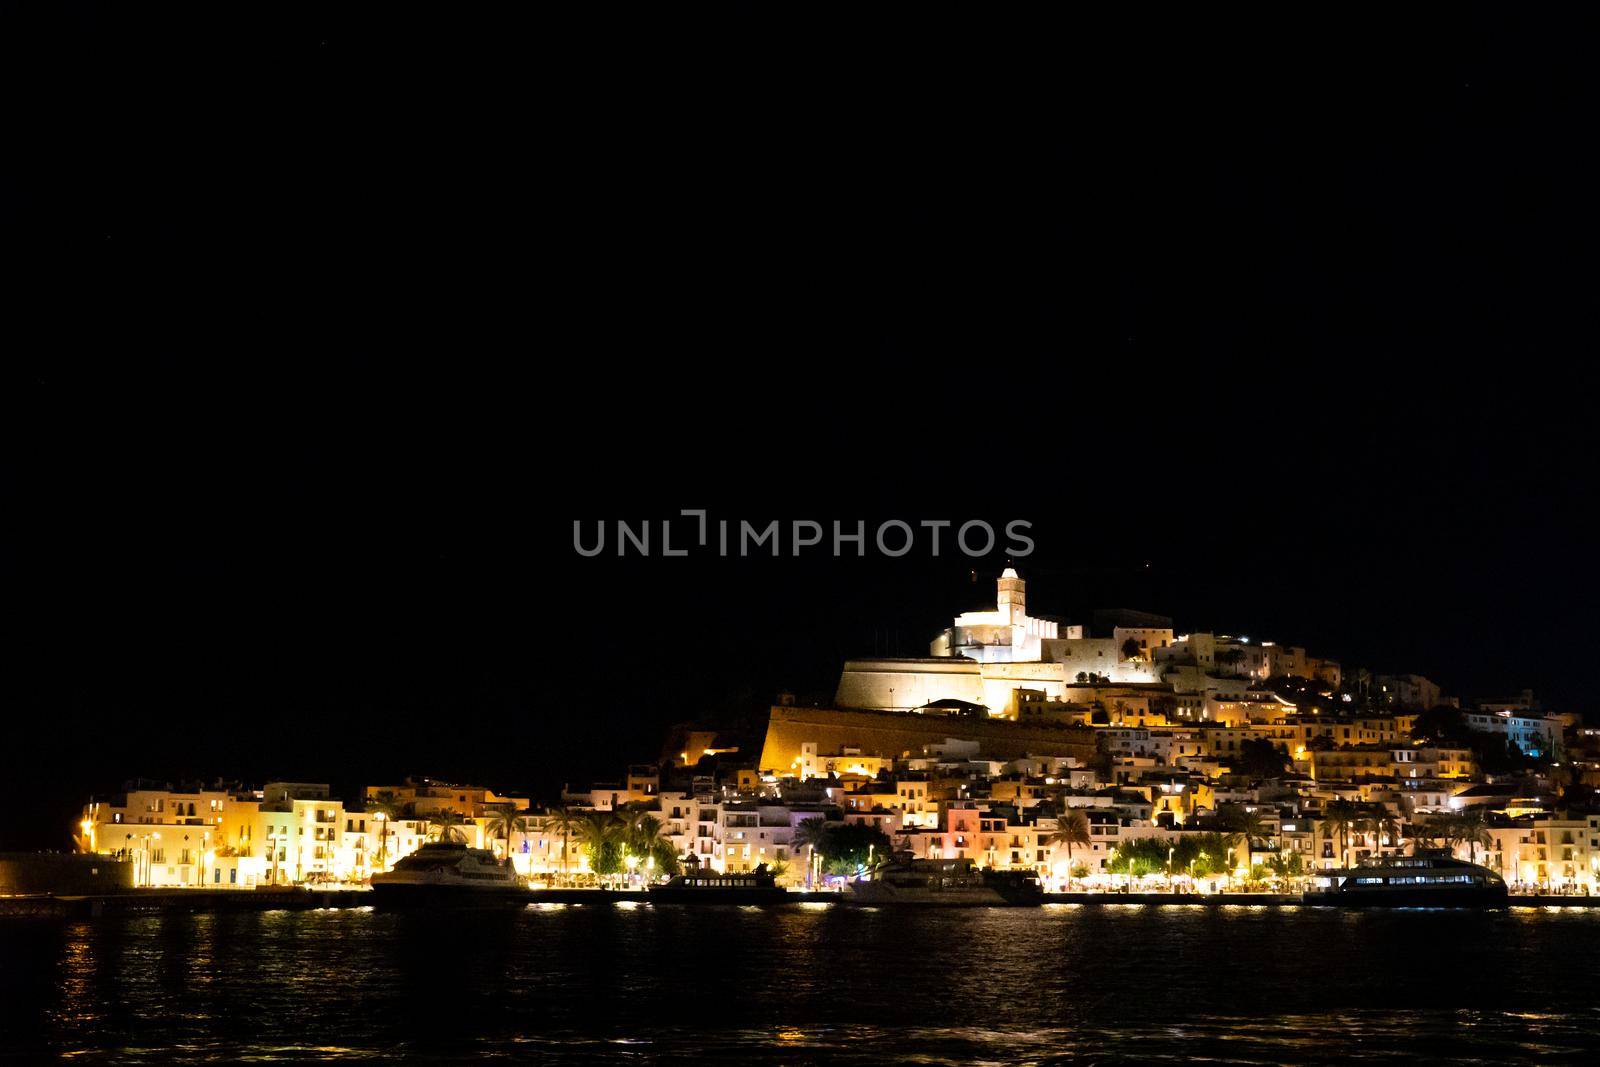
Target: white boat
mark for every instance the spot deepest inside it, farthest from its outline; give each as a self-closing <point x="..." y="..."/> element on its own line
<point x="449" y="873"/>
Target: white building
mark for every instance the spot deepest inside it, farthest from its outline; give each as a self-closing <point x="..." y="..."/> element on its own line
<point x="1537" y="735"/>
<point x="986" y="656"/>
<point x="1005" y="635"/>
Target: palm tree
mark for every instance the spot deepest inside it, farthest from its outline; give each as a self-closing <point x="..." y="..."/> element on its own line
<point x="1451" y="830"/>
<point x="1431" y="828"/>
<point x="1340" y="817"/>
<point x="1386" y="827"/>
<point x="385" y="806"/>
<point x="1473" y="830"/>
<point x="446" y="825"/>
<point x="504" y="823"/>
<point x="601" y="834"/>
<point x="1243" y="824"/>
<point x="641" y="836"/>
<point x="1072" y="828"/>
<point x="639" y="829"/>
<point x="811" y="835"/>
<point x="564" y="821"/>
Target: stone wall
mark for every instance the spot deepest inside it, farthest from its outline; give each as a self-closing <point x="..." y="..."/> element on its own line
<point x="891" y="734"/>
<point x="62" y="873"/>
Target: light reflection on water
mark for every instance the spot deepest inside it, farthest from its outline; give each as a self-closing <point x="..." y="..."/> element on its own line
<point x="1125" y="983"/>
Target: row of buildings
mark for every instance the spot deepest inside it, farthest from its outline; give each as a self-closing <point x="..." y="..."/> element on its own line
<point x="1021" y="742"/>
<point x="948" y="801"/>
<point x="284" y="833"/>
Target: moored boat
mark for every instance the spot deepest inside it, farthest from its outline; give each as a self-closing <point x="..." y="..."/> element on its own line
<point x="1431" y="878"/>
<point x="947" y="883"/>
<point x="450" y="874"/>
<point x="759" y="886"/>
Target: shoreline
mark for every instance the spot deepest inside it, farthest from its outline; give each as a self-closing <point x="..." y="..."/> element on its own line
<point x="197" y="901"/>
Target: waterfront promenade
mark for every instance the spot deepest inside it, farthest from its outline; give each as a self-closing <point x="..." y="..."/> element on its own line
<point x="194" y="901"/>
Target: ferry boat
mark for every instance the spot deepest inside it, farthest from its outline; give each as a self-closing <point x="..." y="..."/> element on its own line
<point x="449" y="873"/>
<point x="707" y="887"/>
<point x="1431" y="878"/>
<point x="947" y="883"/>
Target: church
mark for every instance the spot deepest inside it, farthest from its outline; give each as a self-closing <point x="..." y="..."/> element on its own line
<point x="985" y="657"/>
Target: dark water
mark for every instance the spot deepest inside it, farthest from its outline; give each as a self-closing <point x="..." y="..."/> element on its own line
<point x="806" y="984"/>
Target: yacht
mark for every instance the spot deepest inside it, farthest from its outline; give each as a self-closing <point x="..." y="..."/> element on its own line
<point x="448" y="872"/>
<point x="759" y="886"/>
<point x="1431" y="878"/>
<point x="947" y="883"/>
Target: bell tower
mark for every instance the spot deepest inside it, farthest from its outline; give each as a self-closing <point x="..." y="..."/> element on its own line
<point x="1011" y="602"/>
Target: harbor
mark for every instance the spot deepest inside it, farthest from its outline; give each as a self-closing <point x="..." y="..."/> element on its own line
<point x="203" y="901"/>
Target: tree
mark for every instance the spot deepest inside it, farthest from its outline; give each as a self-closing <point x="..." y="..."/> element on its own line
<point x="1473" y="830"/>
<point x="503" y="823"/>
<point x="1260" y="758"/>
<point x="446" y="825"/>
<point x="1284" y="866"/>
<point x="1072" y="828"/>
<point x="640" y="830"/>
<point x="1229" y="657"/>
<point x="1131" y="649"/>
<point x="1433" y="829"/>
<point x="1386" y="829"/>
<point x="1242" y="822"/>
<point x="1137" y="858"/>
<point x="1322" y="743"/>
<point x="564" y="821"/>
<point x="809" y="834"/>
<point x="848" y="848"/>
<point x="1576" y="794"/>
<point x="385" y="806"/>
<point x="641" y="837"/>
<point x="1339" y="818"/>
<point x="1442" y="725"/>
<point x="600" y="833"/>
<point x="1215" y="853"/>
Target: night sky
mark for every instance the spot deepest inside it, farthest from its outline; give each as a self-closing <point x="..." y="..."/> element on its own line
<point x="346" y="324"/>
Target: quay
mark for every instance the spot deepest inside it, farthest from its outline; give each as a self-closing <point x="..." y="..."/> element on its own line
<point x="177" y="901"/>
<point x="193" y="901"/>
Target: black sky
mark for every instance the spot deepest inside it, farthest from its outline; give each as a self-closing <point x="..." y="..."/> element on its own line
<point x="1276" y="328"/>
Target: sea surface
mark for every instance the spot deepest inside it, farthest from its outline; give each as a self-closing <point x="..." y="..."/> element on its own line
<point x="634" y="983"/>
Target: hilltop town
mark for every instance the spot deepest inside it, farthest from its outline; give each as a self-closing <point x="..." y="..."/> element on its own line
<point x="1111" y="754"/>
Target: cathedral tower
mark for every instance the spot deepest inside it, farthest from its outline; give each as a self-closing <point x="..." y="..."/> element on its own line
<point x="1012" y="600"/>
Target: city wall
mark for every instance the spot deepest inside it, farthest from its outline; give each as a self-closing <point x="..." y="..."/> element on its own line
<point x="890" y="734"/>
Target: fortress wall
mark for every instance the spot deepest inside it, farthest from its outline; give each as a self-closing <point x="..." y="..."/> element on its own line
<point x="890" y="734"/>
<point x="888" y="683"/>
<point x="1002" y="680"/>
